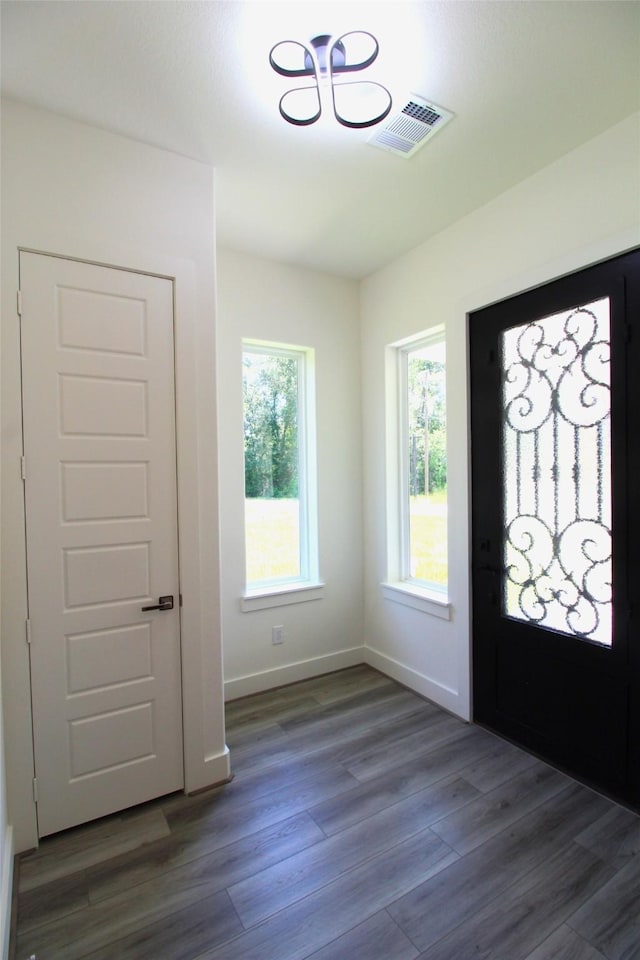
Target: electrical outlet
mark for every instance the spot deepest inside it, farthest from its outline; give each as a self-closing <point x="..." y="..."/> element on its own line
<point x="277" y="635"/>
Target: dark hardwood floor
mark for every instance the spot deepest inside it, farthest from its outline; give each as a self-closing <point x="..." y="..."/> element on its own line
<point x="363" y="823"/>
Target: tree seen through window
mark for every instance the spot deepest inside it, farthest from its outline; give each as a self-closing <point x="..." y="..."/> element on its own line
<point x="271" y="392"/>
<point x="426" y="465"/>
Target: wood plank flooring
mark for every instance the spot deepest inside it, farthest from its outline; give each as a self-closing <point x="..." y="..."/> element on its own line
<point x="363" y="823"/>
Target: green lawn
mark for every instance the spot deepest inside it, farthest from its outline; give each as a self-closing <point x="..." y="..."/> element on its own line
<point x="273" y="546"/>
<point x="428" y="526"/>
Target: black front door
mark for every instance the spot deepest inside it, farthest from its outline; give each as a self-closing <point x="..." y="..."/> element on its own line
<point x="555" y="428"/>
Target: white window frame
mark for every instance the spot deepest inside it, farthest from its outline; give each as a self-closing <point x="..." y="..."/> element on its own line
<point x="307" y="586"/>
<point x="400" y="586"/>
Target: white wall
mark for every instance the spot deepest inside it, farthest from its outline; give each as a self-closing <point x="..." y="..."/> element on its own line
<point x="583" y="208"/>
<point x="80" y="192"/>
<point x="263" y="299"/>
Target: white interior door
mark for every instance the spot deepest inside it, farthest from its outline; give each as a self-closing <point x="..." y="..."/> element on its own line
<point x="101" y="514"/>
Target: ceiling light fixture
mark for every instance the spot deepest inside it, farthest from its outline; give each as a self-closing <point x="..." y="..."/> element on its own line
<point x="355" y="103"/>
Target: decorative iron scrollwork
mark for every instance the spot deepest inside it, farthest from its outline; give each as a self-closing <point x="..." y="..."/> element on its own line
<point x="557" y="492"/>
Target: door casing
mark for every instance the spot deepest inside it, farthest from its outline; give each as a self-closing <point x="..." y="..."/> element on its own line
<point x="207" y="759"/>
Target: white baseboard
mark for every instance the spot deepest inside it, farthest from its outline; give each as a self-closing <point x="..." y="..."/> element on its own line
<point x="6" y="890"/>
<point x="444" y="696"/>
<point x="292" y="672"/>
<point x="437" y="692"/>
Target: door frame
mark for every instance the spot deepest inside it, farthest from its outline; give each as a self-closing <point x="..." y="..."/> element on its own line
<point x="604" y="254"/>
<point x="206" y="756"/>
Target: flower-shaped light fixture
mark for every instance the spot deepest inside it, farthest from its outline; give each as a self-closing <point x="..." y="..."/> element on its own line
<point x="355" y="103"/>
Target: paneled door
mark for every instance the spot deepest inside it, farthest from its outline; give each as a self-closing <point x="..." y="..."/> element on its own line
<point x="555" y="402"/>
<point x="102" y="547"/>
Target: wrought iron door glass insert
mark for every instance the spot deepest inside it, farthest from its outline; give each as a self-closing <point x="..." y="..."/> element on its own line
<point x="557" y="472"/>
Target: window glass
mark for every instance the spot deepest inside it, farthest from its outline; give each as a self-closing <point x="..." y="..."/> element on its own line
<point x="556" y="441"/>
<point x="424" y="487"/>
<point x="275" y="465"/>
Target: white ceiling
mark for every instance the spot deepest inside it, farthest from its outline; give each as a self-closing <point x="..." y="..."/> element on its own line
<point x="527" y="82"/>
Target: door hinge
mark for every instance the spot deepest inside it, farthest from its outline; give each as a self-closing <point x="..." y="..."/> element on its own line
<point x="19" y="302"/>
<point x="28" y="630"/>
<point x="23" y="467"/>
<point x="35" y="789"/>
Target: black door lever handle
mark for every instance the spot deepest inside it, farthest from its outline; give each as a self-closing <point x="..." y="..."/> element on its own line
<point x="164" y="603"/>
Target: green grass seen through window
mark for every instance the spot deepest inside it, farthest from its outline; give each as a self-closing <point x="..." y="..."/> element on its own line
<point x="272" y="539"/>
<point x="273" y="548"/>
<point x="428" y="532"/>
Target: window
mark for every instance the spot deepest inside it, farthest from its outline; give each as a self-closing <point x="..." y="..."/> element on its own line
<point x="419" y="567"/>
<point x="424" y="467"/>
<point x="279" y="459"/>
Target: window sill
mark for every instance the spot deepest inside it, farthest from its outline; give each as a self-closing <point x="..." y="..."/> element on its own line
<point x="410" y="595"/>
<point x="280" y="596"/>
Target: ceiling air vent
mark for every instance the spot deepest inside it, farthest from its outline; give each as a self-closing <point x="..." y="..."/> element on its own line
<point x="406" y="131"/>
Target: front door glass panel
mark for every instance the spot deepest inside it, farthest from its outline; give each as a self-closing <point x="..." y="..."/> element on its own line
<point x="556" y="446"/>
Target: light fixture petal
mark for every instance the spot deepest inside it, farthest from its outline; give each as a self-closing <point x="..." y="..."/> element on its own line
<point x="361" y="103"/>
<point x="301" y="106"/>
<point x="290" y="58"/>
<point x="360" y="50"/>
